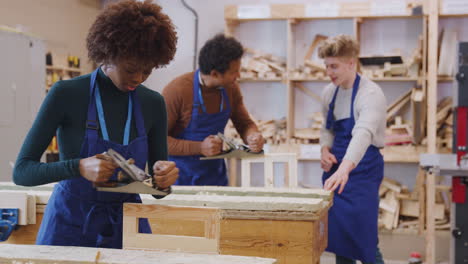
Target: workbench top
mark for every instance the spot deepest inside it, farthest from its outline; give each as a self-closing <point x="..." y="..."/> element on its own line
<point x="226" y="198"/>
<point x="83" y="255"/>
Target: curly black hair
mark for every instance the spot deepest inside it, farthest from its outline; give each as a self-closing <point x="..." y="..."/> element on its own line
<point x="218" y="53"/>
<point x="135" y="30"/>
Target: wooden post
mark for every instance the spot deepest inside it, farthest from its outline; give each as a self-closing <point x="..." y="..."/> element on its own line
<point x="232" y="171"/>
<point x="432" y="76"/>
<point x="230" y="27"/>
<point x="430" y="231"/>
<point x="269" y="172"/>
<point x="290" y="125"/>
<point x="433" y="33"/>
<point x="245" y="172"/>
<point x="357" y="34"/>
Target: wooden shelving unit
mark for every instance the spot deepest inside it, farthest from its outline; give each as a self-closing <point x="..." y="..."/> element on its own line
<point x="295" y="14"/>
<point x="53" y="74"/>
<point x="63" y="69"/>
<point x="56" y="73"/>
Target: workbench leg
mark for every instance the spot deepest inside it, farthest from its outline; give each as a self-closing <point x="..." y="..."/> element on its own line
<point x="430" y="220"/>
<point x="421" y="192"/>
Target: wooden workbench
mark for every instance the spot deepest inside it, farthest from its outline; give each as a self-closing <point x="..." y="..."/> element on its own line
<point x="289" y="225"/>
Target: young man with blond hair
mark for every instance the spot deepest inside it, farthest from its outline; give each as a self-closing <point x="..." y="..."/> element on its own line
<point x="355" y="109"/>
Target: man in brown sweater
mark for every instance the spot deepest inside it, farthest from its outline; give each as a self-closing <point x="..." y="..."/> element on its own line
<point x="199" y="104"/>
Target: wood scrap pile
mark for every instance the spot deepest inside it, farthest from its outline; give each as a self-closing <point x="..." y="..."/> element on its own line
<point x="310" y="135"/>
<point x="445" y="123"/>
<point x="259" y="65"/>
<point x="274" y="131"/>
<point x="400" y="208"/>
<point x="311" y="69"/>
<point x="399" y="133"/>
<point x="394" y="65"/>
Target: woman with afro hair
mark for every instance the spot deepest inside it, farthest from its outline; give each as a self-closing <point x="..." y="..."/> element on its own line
<point x="108" y="108"/>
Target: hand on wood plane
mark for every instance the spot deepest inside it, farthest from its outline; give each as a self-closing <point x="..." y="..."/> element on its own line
<point x="255" y="141"/>
<point x="98" y="169"/>
<point x="165" y="173"/>
<point x="211" y="146"/>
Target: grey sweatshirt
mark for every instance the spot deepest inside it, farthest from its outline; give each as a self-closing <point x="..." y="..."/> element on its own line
<point x="370" y="110"/>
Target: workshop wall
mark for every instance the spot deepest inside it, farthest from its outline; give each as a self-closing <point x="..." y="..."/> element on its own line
<point x="63" y="25"/>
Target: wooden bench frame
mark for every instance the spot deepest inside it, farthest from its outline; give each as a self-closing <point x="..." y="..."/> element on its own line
<point x="134" y="240"/>
<point x="290" y="177"/>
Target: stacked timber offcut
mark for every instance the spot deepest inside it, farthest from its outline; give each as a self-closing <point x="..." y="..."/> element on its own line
<point x="387" y="66"/>
<point x="264" y="66"/>
<point x="400" y="209"/>
<point x="274" y="131"/>
<point x="445" y="123"/>
<point x="310" y="70"/>
<point x="310" y="135"/>
<point x="399" y="133"/>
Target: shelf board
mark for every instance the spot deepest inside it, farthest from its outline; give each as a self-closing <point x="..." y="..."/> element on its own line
<point x="453" y="15"/>
<point x="240" y="20"/>
<point x="54" y="68"/>
<point x="360" y="17"/>
<point x="310" y="80"/>
<point x="260" y="80"/>
<point x="445" y="78"/>
<point x="396" y="79"/>
<point x="392" y="154"/>
<point x="385" y="79"/>
<point x="299" y="18"/>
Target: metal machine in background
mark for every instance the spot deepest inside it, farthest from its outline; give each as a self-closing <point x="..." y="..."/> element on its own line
<point x="456" y="164"/>
<point x="459" y="184"/>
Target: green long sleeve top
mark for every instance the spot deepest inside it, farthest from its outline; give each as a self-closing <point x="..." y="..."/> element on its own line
<point x="64" y="112"/>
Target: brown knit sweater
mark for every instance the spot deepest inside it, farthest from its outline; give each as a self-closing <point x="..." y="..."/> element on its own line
<point x="178" y="95"/>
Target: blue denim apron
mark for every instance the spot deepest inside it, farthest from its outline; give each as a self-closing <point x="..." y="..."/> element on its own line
<point x="79" y="215"/>
<point x="192" y="170"/>
<point x="352" y="220"/>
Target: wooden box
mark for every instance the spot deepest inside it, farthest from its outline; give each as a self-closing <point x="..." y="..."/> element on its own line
<point x="289" y="225"/>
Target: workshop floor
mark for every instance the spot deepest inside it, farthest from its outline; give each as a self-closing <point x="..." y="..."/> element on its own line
<point x="328" y="258"/>
<point x="396" y="247"/>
